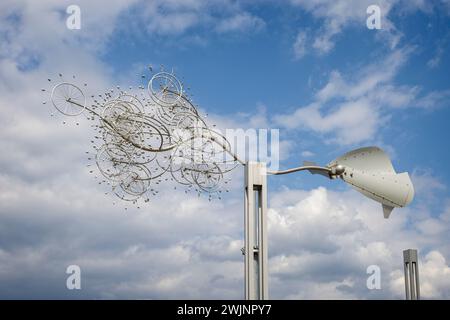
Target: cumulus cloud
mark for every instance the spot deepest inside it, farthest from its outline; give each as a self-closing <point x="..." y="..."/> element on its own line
<point x="350" y="110"/>
<point x="434" y="275"/>
<point x="426" y="183"/>
<point x="337" y="16"/>
<point x="320" y="244"/>
<point x="323" y="241"/>
<point x="151" y="253"/>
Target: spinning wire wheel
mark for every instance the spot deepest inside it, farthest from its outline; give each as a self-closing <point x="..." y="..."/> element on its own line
<point x="68" y="99"/>
<point x="165" y="89"/>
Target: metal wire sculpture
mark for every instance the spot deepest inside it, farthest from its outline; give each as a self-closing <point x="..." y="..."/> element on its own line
<point x="149" y="135"/>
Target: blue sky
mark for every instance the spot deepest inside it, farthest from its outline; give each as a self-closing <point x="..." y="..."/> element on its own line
<point x="311" y="69"/>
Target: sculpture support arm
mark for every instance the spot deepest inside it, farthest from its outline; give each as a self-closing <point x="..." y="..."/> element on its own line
<point x="312" y="169"/>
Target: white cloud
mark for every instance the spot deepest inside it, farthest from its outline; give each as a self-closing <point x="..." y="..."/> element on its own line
<point x="173" y="23"/>
<point x="436" y="60"/>
<point x="357" y="115"/>
<point x="434" y="276"/>
<point x="349" y="123"/>
<point x="323" y="241"/>
<point x="367" y="80"/>
<point x="323" y="43"/>
<point x="434" y="99"/>
<point x="241" y="22"/>
<point x="426" y="183"/>
<point x="300" y="45"/>
<point x="350" y="110"/>
<point x="338" y="15"/>
<point x="307" y="154"/>
<point x="176" y="17"/>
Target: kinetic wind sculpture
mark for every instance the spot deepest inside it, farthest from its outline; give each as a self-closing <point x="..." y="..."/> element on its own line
<point x="154" y="133"/>
<point x="148" y="135"/>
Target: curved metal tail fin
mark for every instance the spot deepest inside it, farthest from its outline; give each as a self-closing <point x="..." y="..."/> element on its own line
<point x="369" y="170"/>
<point x="387" y="210"/>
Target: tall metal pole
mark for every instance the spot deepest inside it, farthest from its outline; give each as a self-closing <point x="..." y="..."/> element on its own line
<point x="255" y="250"/>
<point x="411" y="267"/>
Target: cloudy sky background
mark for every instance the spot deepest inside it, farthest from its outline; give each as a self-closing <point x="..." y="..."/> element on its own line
<point x="309" y="68"/>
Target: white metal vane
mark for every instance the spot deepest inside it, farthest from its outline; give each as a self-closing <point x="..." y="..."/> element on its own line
<point x="369" y="170"/>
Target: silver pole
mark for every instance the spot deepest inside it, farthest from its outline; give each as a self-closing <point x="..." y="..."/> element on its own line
<point x="411" y="267"/>
<point x="255" y="249"/>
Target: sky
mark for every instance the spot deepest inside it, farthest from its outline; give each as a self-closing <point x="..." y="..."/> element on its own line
<point x="311" y="69"/>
